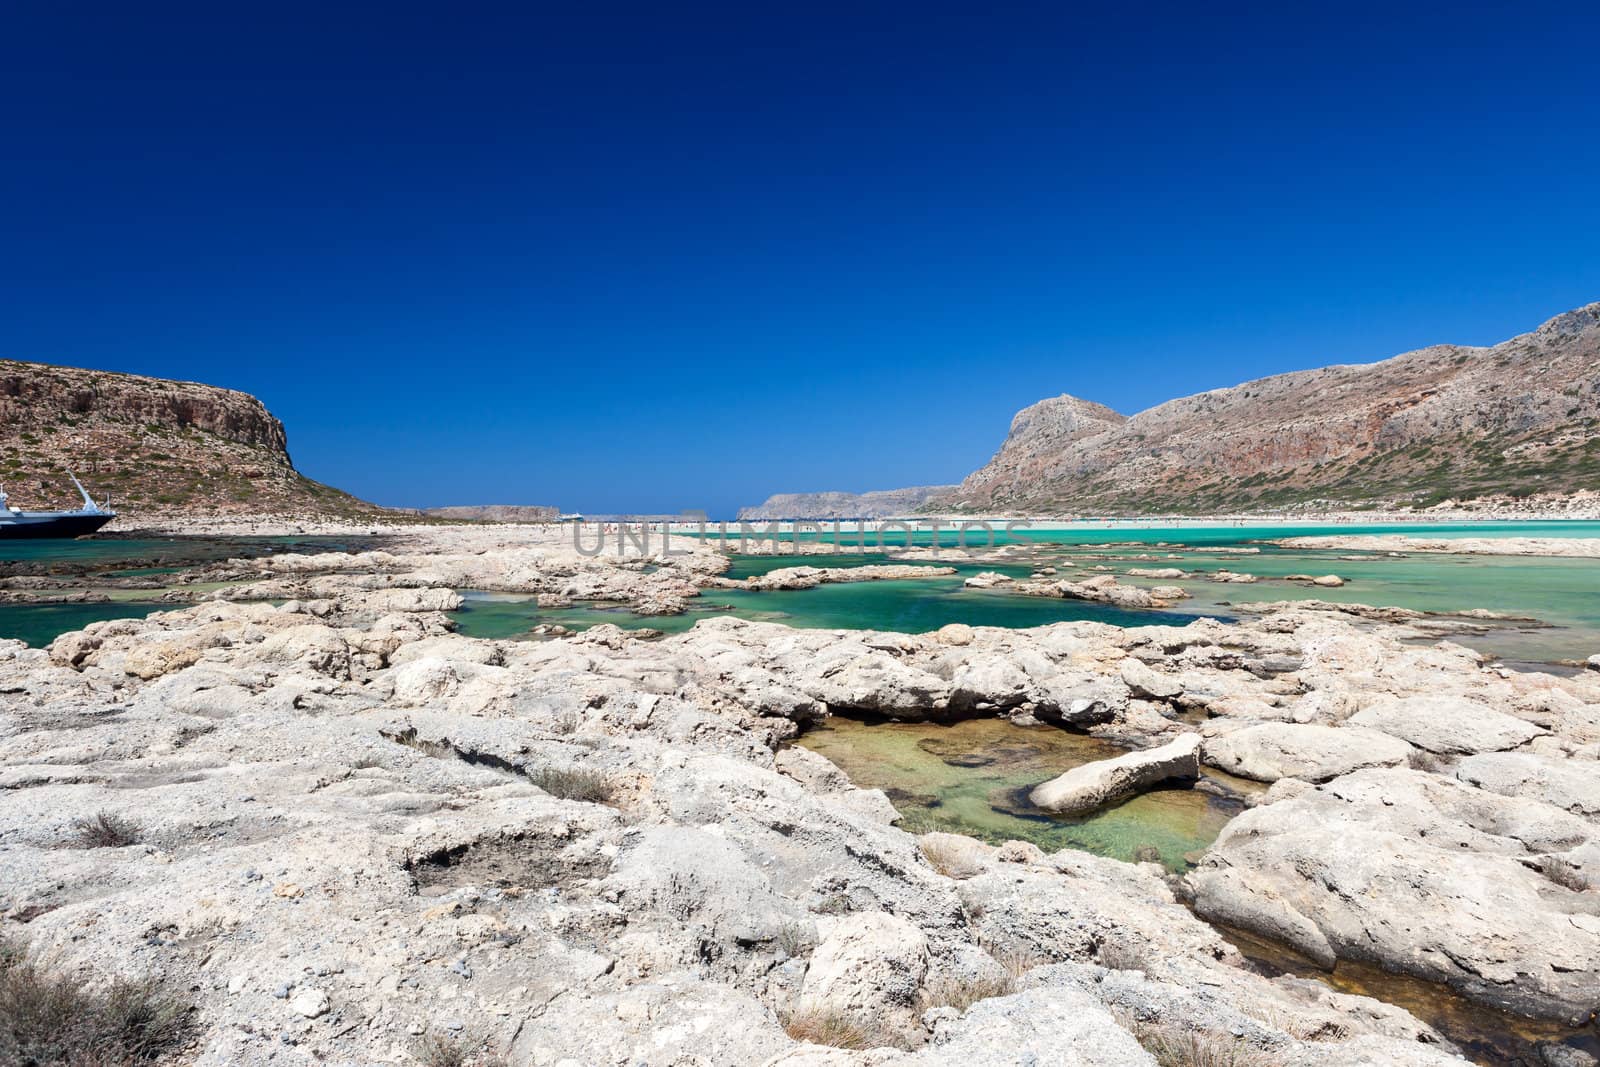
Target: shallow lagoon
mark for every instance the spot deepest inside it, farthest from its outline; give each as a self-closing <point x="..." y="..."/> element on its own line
<point x="1564" y="593"/>
<point x="85" y="560"/>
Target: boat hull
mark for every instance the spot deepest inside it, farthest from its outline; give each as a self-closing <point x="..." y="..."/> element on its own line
<point x="54" y="526"/>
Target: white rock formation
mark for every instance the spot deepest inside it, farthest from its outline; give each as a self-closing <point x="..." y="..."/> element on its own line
<point x="1095" y="785"/>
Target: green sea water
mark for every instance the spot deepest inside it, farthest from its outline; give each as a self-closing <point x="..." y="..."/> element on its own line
<point x="84" y="560"/>
<point x="910" y="606"/>
<point x="1562" y="594"/>
<point x="39" y="624"/>
<point x="974" y="777"/>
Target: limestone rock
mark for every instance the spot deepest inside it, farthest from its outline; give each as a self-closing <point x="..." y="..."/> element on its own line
<point x="1571" y="785"/>
<point x="877" y="683"/>
<point x="1272" y="750"/>
<point x="1147" y="683"/>
<point x="1043" y="1026"/>
<point x="313" y="646"/>
<point x="959" y="633"/>
<point x="868" y="966"/>
<point x="1447" y="725"/>
<point x="155" y="658"/>
<point x="1095" y="785"/>
<point x="311" y="1003"/>
<point x="1419" y="874"/>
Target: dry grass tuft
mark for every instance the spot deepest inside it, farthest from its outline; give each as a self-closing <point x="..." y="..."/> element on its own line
<point x="106" y="829"/>
<point x="826" y="1026"/>
<point x="793" y="940"/>
<point x="1016" y="961"/>
<point x="963" y="993"/>
<point x="573" y="783"/>
<point x="1120" y="954"/>
<point x="1421" y="759"/>
<point x="946" y="855"/>
<point x="434" y="1049"/>
<point x="51" y="1018"/>
<point x="1174" y="1046"/>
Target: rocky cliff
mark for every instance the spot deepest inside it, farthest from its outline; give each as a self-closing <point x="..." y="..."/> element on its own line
<point x="1517" y="419"/>
<point x="155" y="446"/>
<point x="878" y="504"/>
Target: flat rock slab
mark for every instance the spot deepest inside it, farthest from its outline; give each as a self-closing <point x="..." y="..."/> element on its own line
<point x="1422" y="875"/>
<point x="1571" y="785"/>
<point x="1272" y="750"/>
<point x="1095" y="785"/>
<point x="1448" y="725"/>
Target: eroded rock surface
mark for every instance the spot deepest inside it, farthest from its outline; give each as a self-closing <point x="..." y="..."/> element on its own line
<point x="599" y="847"/>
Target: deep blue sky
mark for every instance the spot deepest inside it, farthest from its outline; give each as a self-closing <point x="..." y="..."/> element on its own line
<point x="688" y="258"/>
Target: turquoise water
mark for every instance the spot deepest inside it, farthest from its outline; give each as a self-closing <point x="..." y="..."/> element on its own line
<point x="87" y="559"/>
<point x="39" y="624"/>
<point x="1131" y="531"/>
<point x="904" y="606"/>
<point x="1564" y="593"/>
<point x="158" y="551"/>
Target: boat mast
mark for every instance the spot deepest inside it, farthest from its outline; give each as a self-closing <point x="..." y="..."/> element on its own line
<point x="88" y="501"/>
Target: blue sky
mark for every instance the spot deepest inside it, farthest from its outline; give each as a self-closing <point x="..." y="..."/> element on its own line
<point x="690" y="256"/>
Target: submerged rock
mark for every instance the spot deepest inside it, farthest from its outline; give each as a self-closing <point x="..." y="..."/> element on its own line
<point x="1095" y="785"/>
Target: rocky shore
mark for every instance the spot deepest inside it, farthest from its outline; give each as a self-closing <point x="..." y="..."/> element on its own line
<point x="349" y="835"/>
<point x="1578" y="547"/>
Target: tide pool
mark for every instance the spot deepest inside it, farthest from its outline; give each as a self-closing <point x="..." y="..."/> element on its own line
<point x="973" y="778"/>
<point x="910" y="606"/>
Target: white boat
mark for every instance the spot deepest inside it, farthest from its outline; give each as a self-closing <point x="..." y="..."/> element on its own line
<point x="37" y="524"/>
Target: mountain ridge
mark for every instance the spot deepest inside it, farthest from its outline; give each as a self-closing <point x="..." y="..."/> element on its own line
<point x="1441" y="422"/>
<point x="154" y="445"/>
<point x="876" y="504"/>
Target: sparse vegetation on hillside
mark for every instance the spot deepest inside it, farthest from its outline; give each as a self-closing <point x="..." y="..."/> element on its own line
<point x="151" y="446"/>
